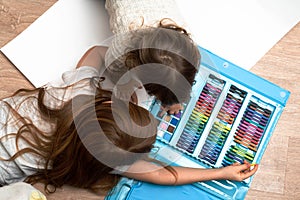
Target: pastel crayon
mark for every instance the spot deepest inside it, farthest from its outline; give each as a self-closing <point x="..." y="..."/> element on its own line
<point x="238" y="100"/>
<point x="217" y="134"/>
<point x="205" y="106"/>
<point x="248" y="157"/>
<point x="208" y="91"/>
<point x="235" y="89"/>
<point x="247" y="145"/>
<point x="192" y="127"/>
<point x="212" y="155"/>
<point x="209" y="144"/>
<point x="197" y="131"/>
<point x="188" y="139"/>
<point x="253" y="112"/>
<point x="206" y="98"/>
<point x="221" y="137"/>
<point x="260" y="110"/>
<point x="260" y="121"/>
<point x="208" y="160"/>
<point x="232" y="103"/>
<point x="213" y="88"/>
<point x="254" y="123"/>
<point x="216" y="141"/>
<point x="216" y="83"/>
<point x="231" y="156"/>
<point x="238" y="159"/>
<point x="197" y="115"/>
<point x="253" y="126"/>
<point x="189" y="136"/>
<point x="226" y="163"/>
<point x="229" y="106"/>
<point x="213" y="77"/>
<point x="247" y="134"/>
<point x="230" y="109"/>
<point x="226" y="119"/>
<point x="251" y="139"/>
<point x="204" y="111"/>
<point x="264" y="111"/>
<point x="250" y="131"/>
<point x="248" y="111"/>
<point x="251" y="155"/>
<point x="231" y="99"/>
<point x="199" y="125"/>
<point x="185" y="147"/>
<point x="242" y="140"/>
<point x="229" y="103"/>
<point x="227" y="115"/>
<point x="256" y="115"/>
<point x="208" y="88"/>
<point x="187" y="143"/>
<point x="250" y="127"/>
<point x="228" y="159"/>
<point x="245" y="128"/>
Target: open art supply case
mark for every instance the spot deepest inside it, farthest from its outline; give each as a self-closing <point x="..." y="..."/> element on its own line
<point x="230" y="117"/>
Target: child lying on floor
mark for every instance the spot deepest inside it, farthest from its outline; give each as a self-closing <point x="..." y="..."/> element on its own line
<point x="89" y="130"/>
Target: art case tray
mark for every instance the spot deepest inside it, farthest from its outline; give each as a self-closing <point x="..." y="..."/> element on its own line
<point x="230" y="117"/>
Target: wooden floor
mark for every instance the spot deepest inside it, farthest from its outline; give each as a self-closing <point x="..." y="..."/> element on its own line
<point x="279" y="173"/>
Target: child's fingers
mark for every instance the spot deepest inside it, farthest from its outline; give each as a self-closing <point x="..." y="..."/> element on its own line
<point x="175" y="108"/>
<point x="246" y="162"/>
<point x="163" y="111"/>
<point x="172" y="110"/>
<point x="250" y="172"/>
<point x="243" y="167"/>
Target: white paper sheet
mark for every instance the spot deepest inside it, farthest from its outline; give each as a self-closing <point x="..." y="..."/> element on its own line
<point x="239" y="31"/>
<point x="55" y="42"/>
<point x="242" y="32"/>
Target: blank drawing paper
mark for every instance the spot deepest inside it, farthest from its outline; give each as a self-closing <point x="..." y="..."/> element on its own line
<point x="242" y="32"/>
<point x="55" y="42"/>
<point x="239" y="31"/>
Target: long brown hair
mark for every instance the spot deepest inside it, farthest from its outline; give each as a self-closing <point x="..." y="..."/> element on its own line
<point x="169" y="45"/>
<point x="93" y="135"/>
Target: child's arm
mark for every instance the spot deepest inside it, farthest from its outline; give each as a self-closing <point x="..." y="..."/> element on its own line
<point x="146" y="171"/>
<point x="94" y="57"/>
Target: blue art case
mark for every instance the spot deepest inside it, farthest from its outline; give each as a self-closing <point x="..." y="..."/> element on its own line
<point x="230" y="117"/>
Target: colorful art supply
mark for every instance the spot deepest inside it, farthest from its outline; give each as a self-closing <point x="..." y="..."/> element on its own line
<point x="251" y="128"/>
<point x="229" y="118"/>
<point x="168" y="123"/>
<point x="201" y="112"/>
<point x="222" y="124"/>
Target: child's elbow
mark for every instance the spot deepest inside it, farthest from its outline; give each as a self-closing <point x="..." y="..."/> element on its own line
<point x="165" y="177"/>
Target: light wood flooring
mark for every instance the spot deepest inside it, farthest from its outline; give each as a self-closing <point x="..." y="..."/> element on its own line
<point x="279" y="173"/>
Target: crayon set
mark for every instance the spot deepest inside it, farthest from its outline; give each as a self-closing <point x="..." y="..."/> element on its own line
<point x="200" y="114"/>
<point x="217" y="135"/>
<point x="167" y="125"/>
<point x="249" y="132"/>
<point x="222" y="125"/>
<point x="229" y="118"/>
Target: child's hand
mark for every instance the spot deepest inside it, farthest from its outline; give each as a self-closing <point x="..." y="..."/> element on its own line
<point x="173" y="109"/>
<point x="238" y="172"/>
